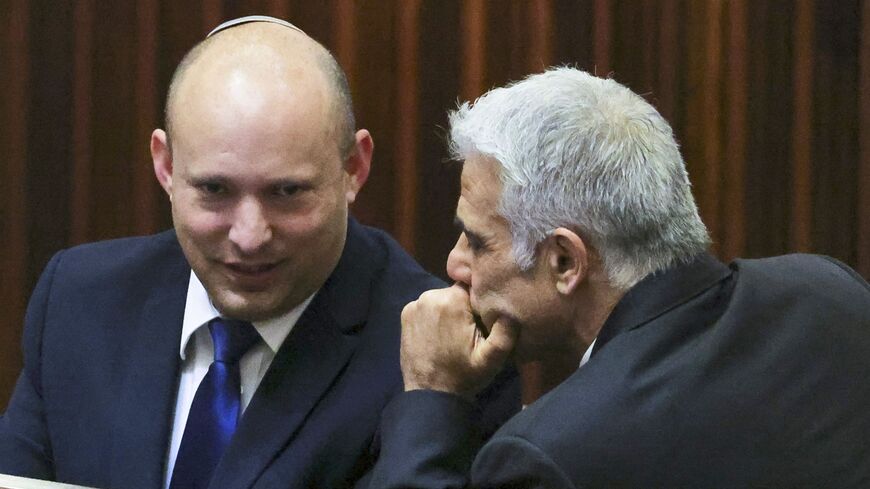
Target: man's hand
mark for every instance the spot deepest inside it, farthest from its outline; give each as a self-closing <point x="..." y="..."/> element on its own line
<point x="444" y="350"/>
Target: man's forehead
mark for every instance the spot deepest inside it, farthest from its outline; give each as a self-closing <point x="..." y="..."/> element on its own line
<point x="477" y="166"/>
<point x="480" y="184"/>
<point x="253" y="105"/>
<point x="477" y="208"/>
<point x="271" y="54"/>
<point x="462" y="212"/>
<point x="261" y="63"/>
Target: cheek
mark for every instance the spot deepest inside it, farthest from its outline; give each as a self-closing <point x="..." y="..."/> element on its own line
<point x="317" y="223"/>
<point x="196" y="225"/>
<point x="299" y="224"/>
<point x="486" y="278"/>
<point x="330" y="207"/>
<point x="497" y="284"/>
<point x="201" y="224"/>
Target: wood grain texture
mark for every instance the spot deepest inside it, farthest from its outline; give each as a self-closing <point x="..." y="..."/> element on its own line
<point x="800" y="237"/>
<point x="407" y="124"/>
<point x="345" y="38"/>
<point x="863" y="217"/>
<point x="541" y="32"/>
<point x="473" y="23"/>
<point x="668" y="50"/>
<point x="602" y="32"/>
<point x="15" y="78"/>
<point x="145" y="192"/>
<point x="82" y="81"/>
<point x="710" y="119"/>
<point x="732" y="205"/>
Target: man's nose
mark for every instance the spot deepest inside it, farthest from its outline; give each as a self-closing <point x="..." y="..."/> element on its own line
<point x="251" y="229"/>
<point x="458" y="267"/>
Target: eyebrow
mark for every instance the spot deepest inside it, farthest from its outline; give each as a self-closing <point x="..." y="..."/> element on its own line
<point x="277" y="182"/>
<point x="459" y="224"/>
<point x="207" y="178"/>
<point x="468" y="233"/>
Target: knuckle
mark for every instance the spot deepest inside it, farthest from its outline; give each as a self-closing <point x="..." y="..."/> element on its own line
<point x="408" y="311"/>
<point x="428" y="296"/>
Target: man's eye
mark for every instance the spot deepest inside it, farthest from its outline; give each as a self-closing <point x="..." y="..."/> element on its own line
<point x="212" y="188"/>
<point x="287" y="190"/>
<point x="474" y="243"/>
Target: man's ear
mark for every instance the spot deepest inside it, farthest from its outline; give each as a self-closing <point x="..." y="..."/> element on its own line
<point x="359" y="163"/>
<point x="567" y="260"/>
<point x="162" y="158"/>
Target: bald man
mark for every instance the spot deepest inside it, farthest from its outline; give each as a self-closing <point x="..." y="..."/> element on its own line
<point x="127" y="379"/>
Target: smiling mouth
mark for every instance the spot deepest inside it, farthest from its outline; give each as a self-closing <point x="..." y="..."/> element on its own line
<point x="252" y="274"/>
<point x="253" y="269"/>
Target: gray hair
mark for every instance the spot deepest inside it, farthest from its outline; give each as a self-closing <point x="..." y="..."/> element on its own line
<point x="588" y="154"/>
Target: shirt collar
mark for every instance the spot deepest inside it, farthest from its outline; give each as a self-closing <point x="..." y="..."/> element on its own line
<point x="588" y="353"/>
<point x="199" y="310"/>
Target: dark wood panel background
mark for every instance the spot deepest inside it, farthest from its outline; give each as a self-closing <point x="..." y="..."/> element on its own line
<point x="770" y="100"/>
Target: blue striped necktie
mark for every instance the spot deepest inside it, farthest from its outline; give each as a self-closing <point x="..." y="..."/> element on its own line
<point x="216" y="406"/>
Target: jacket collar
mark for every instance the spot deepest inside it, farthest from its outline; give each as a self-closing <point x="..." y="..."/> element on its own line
<point x="660" y="292"/>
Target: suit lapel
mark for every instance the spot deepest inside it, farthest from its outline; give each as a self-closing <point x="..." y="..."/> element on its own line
<point x="145" y="403"/>
<point x="307" y="364"/>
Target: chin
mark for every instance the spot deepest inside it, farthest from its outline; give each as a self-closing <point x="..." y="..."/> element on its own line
<point x="249" y="310"/>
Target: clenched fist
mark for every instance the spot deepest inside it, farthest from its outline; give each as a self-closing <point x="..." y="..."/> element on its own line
<point x="443" y="349"/>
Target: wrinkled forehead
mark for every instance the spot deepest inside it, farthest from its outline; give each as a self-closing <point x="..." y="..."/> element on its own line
<point x="480" y="188"/>
<point x="481" y="176"/>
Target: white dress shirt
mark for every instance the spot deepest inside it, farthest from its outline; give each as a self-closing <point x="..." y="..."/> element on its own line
<point x="588" y="353"/>
<point x="197" y="354"/>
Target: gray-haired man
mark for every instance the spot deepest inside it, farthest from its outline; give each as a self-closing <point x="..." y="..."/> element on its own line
<point x="581" y="245"/>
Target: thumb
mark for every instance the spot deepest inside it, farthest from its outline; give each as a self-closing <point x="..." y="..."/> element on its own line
<point x="496" y="348"/>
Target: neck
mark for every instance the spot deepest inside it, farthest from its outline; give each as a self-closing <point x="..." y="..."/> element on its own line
<point x="539" y="377"/>
<point x="591" y="305"/>
<point x="594" y="302"/>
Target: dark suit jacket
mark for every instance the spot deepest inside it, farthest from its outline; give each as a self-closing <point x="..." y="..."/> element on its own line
<point x="95" y="401"/>
<point x="703" y="376"/>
